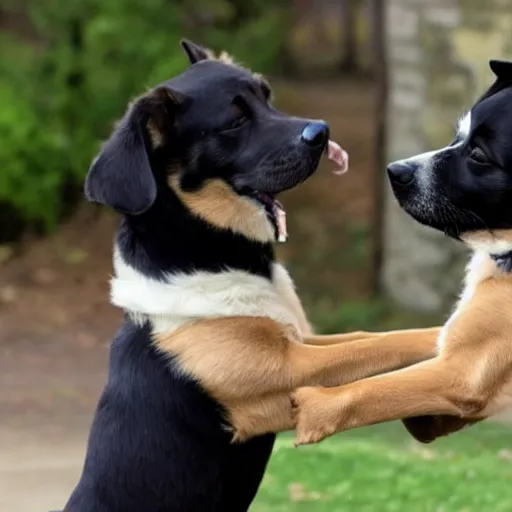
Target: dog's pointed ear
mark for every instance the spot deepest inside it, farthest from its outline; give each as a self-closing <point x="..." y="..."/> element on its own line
<point x="121" y="175"/>
<point x="195" y="52"/>
<point x="501" y="68"/>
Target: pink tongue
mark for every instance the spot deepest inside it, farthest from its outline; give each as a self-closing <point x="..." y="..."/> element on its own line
<point x="338" y="156"/>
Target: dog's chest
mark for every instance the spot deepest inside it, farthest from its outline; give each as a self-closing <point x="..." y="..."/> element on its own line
<point x="481" y="316"/>
<point x="479" y="269"/>
<point x="185" y="298"/>
<point x="502" y="402"/>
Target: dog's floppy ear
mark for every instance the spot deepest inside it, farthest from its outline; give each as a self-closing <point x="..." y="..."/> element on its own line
<point x="501" y="68"/>
<point x="121" y="175"/>
<point x="195" y="52"/>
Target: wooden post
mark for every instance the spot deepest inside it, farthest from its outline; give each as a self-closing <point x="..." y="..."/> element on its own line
<point x="349" y="60"/>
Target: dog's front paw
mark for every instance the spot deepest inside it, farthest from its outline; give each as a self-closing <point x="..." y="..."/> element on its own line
<point x="316" y="414"/>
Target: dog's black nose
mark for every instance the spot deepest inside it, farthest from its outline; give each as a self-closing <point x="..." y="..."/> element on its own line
<point x="401" y="172"/>
<point x="315" y="134"/>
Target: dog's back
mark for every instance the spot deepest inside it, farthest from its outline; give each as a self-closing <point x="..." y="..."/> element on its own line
<point x="144" y="444"/>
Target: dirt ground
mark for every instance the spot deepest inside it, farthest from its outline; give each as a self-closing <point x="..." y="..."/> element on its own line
<point x="56" y="323"/>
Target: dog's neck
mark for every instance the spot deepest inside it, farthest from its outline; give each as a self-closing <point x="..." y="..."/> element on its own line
<point x="495" y="246"/>
<point x="484" y="266"/>
<point x="169" y="239"/>
<point x="182" y="298"/>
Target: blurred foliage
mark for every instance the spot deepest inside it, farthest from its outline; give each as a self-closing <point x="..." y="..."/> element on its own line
<point x="376" y="314"/>
<point x="63" y="85"/>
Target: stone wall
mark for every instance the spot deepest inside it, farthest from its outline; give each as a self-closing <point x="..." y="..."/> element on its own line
<point x="438" y="53"/>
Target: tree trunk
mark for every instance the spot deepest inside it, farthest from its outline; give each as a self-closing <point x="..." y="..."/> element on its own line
<point x="349" y="61"/>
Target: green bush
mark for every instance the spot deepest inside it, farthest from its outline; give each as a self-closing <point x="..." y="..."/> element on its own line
<point x="61" y="91"/>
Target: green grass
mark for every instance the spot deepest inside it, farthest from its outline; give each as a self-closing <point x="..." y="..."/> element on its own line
<point x="381" y="469"/>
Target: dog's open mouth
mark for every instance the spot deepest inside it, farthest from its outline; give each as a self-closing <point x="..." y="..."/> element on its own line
<point x="275" y="209"/>
<point x="275" y="212"/>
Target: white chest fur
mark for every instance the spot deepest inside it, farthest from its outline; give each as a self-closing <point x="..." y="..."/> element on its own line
<point x="183" y="298"/>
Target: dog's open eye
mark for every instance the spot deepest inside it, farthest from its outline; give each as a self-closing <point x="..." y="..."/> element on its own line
<point x="479" y="156"/>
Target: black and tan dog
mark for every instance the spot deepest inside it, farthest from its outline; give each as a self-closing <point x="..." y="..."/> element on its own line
<point x="464" y="190"/>
<point x="214" y="338"/>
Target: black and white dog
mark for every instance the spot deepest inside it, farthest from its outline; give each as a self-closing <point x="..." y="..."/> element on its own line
<point x="465" y="191"/>
<point x="194" y="167"/>
<point x="466" y="186"/>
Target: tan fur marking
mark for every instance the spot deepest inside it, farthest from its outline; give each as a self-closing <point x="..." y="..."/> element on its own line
<point x="251" y="364"/>
<point x="499" y="240"/>
<point x="229" y="60"/>
<point x="223" y="57"/>
<point x="259" y="78"/>
<point x="219" y="205"/>
<point x="210" y="54"/>
<point x="226" y="58"/>
<point x="469" y="380"/>
<point x="482" y="235"/>
<point x="155" y="134"/>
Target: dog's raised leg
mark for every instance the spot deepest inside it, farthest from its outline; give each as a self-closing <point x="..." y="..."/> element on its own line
<point x="439" y="386"/>
<point x="423" y="428"/>
<point x="267" y="361"/>
<point x="419" y="336"/>
<point x="470" y="379"/>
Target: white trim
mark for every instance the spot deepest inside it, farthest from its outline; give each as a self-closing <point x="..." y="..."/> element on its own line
<point x="464" y="125"/>
<point x="183" y="298"/>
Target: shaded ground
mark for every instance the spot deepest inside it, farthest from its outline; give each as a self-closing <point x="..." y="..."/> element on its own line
<point x="56" y="324"/>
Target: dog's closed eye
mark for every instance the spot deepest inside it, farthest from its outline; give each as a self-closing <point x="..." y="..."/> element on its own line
<point x="239" y="115"/>
<point x="479" y="156"/>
